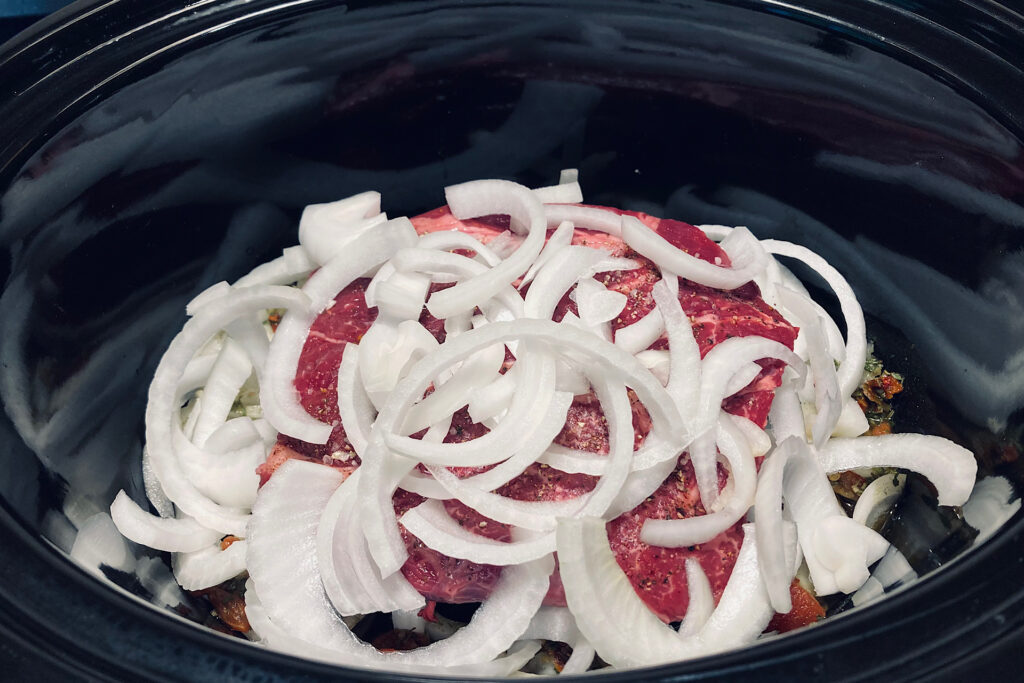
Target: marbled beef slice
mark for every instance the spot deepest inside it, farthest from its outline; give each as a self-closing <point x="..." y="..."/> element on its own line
<point x="657" y="574"/>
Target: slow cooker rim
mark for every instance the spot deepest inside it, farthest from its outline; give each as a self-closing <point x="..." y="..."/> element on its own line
<point x="53" y="42"/>
<point x="73" y="584"/>
<point x="21" y="544"/>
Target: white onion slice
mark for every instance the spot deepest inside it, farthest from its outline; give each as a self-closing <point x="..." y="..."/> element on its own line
<point x="847" y="548"/>
<point x="380" y="474"/>
<point x="387" y="351"/>
<point x="195" y="373"/>
<point x="684" y="355"/>
<point x="657" y="361"/>
<point x="162" y="408"/>
<point x="464" y="269"/>
<point x="745" y="374"/>
<point x="266" y="431"/>
<point x="236" y="433"/>
<point x="493" y="398"/>
<point x="878" y="498"/>
<point x="209" y="566"/>
<point x="703" y="455"/>
<point x="950" y="468"/>
<point x="619" y="419"/>
<point x="585" y="348"/>
<point x="337" y="576"/>
<point x="552" y="623"/>
<point x="561" y="237"/>
<point x="430" y="523"/>
<point x="702" y="600"/>
<point x="228" y="477"/>
<point x="786" y="417"/>
<point x="252" y="334"/>
<point x="504" y="243"/>
<point x="757" y="438"/>
<point x="563" y="193"/>
<point x="639" y="484"/>
<point x="453" y="239"/>
<point x="354" y="405"/>
<point x="480" y="198"/>
<point x="677" y="533"/>
<point x="350" y="578"/>
<point x="211" y="293"/>
<point x="717" y="369"/>
<point x="386" y="270"/>
<point x="386" y="594"/>
<point x="518" y="656"/>
<point x="293" y="265"/>
<point x="325" y="230"/>
<point x="284" y="526"/>
<point x="595" y="303"/>
<point x="613" y="618"/>
<point x="424" y="485"/>
<point x="273" y="636"/>
<point x="586" y="217"/>
<point x="518" y="429"/>
<point x="573" y="461"/>
<point x="532" y="515"/>
<point x="494" y="626"/>
<point x="640" y="335"/>
<point x="549" y="425"/>
<point x="278" y="396"/>
<point x="748" y="258"/>
<point x="644" y="332"/>
<point x="558" y="624"/>
<point x="599" y="330"/>
<point x="608" y="611"/>
<point x="991" y="504"/>
<point x="775" y="276"/>
<point x="172" y="535"/>
<point x="613" y="263"/>
<point x="852" y="367"/>
<point x="581" y="659"/>
<point x="154" y="492"/>
<point x="570" y="378"/>
<point x="743" y="611"/>
<point x="563" y="269"/>
<point x="852" y="421"/>
<point x="473" y="373"/>
<point x="284" y="523"/>
<point x="402" y="295"/>
<point x="810" y="500"/>
<point x="98" y="543"/>
<point x="229" y="372"/>
<point x="724" y="360"/>
<point x="827" y="400"/>
<point x="769" y="531"/>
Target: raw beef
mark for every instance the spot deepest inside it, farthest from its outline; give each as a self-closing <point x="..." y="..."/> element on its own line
<point x="657" y="574"/>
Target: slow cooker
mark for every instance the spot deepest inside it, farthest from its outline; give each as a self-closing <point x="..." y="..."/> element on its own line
<point x="153" y="147"/>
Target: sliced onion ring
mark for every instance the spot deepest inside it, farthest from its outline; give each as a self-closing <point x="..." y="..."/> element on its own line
<point x="950" y="468"/>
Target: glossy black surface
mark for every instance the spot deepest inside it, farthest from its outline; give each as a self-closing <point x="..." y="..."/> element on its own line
<point x="151" y="149"/>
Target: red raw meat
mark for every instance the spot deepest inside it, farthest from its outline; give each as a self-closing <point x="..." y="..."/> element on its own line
<point x="657" y="574"/>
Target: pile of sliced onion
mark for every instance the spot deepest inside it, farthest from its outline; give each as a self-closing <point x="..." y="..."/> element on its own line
<point x="322" y="548"/>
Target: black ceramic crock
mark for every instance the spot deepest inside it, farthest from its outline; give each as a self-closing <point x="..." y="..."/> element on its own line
<point x="149" y="148"/>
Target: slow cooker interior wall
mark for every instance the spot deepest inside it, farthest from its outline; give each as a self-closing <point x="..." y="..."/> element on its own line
<point x="194" y="167"/>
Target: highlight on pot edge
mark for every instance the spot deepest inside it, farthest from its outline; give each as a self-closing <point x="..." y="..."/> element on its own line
<point x="519" y="432"/>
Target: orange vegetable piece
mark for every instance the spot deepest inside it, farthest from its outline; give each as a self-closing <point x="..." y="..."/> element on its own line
<point x="806" y="610"/>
